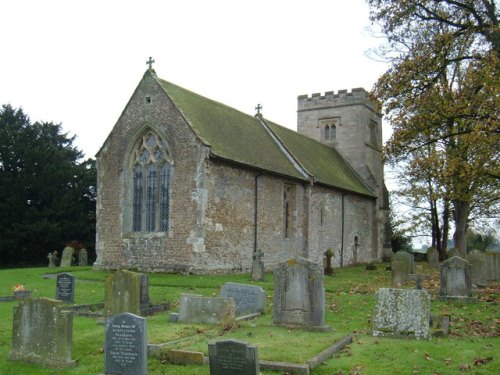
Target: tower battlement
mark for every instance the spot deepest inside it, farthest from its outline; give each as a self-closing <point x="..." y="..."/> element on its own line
<point x="331" y="99"/>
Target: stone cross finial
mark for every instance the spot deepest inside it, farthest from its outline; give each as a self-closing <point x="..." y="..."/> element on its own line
<point x="150" y="62"/>
<point x="419" y="278"/>
<point x="258" y="108"/>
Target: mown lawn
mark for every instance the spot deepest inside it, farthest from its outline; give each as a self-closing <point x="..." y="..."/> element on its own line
<point x="472" y="347"/>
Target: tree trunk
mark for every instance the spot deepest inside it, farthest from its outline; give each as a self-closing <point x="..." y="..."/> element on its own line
<point x="461" y="216"/>
<point x="446" y="229"/>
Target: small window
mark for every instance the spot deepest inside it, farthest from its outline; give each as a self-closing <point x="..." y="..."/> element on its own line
<point x="373" y="133"/>
<point x="288" y="209"/>
<point x="329" y="128"/>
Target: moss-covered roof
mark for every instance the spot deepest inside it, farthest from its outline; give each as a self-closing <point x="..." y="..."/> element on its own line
<point x="241" y="138"/>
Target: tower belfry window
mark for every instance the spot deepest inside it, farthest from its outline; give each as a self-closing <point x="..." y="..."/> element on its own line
<point x="151" y="184"/>
<point x="329" y="128"/>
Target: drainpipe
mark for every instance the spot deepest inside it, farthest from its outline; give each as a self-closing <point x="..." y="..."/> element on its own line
<point x="342" y="233"/>
<point x="256" y="201"/>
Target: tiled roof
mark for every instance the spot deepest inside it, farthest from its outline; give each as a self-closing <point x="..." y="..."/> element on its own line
<point x="235" y="136"/>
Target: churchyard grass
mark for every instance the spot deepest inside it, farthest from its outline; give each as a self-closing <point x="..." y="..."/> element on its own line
<point x="471" y="347"/>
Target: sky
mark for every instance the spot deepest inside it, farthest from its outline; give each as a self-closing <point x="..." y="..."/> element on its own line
<point x="78" y="62"/>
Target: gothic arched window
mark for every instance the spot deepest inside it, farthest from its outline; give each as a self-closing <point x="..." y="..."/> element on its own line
<point x="151" y="170"/>
<point x="329" y="128"/>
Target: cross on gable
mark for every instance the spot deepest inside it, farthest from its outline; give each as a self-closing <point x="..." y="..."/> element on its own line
<point x="150" y="62"/>
<point x="258" y="108"/>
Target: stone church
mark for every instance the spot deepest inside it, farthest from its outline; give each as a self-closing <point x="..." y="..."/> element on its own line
<point x="187" y="184"/>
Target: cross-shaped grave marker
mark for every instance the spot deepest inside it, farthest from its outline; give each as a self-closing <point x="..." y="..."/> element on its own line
<point x="418" y="278"/>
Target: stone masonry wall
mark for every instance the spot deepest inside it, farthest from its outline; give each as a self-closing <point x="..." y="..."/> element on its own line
<point x="116" y="245"/>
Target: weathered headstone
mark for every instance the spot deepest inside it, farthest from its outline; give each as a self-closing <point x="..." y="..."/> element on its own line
<point x="407" y="259"/>
<point x="83" y="258"/>
<point x="233" y="357"/>
<point x="419" y="278"/>
<point x="67" y="256"/>
<point x="493" y="266"/>
<point x="402" y="313"/>
<point x="478" y="267"/>
<point x="126" y="345"/>
<point x="144" y="291"/>
<point x="258" y="266"/>
<point x="42" y="333"/>
<point x="65" y="287"/>
<point x="122" y="293"/>
<point x="399" y="275"/>
<point x="198" y="309"/>
<point x="432" y="257"/>
<point x="249" y="299"/>
<point x="52" y="264"/>
<point x="456" y="282"/>
<point x="299" y="296"/>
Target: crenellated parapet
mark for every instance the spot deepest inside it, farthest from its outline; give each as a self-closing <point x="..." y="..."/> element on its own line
<point x="331" y="99"/>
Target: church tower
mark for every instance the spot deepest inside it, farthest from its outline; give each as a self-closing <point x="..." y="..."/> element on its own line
<point x="351" y="123"/>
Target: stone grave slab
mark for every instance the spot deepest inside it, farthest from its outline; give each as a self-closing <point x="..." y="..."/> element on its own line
<point x="408" y="260"/>
<point x="233" y="357"/>
<point x="122" y="293"/>
<point x="126" y="345"/>
<point x="83" y="258"/>
<point x="399" y="275"/>
<point x="42" y="333"/>
<point x="299" y="295"/>
<point x="402" y="313"/>
<point x="67" y="256"/>
<point x="456" y="282"/>
<point x="65" y="287"/>
<point x="478" y="267"/>
<point x="198" y="309"/>
<point x="433" y="258"/>
<point x="493" y="266"/>
<point x="249" y="299"/>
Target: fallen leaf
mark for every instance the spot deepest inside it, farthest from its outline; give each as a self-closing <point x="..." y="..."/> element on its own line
<point x="482" y="361"/>
<point x="447" y="361"/>
<point x="464" y="367"/>
<point x="427" y="356"/>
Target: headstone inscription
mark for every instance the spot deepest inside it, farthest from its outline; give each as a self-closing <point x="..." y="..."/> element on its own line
<point x="493" y="266"/>
<point x="198" y="309"/>
<point x="67" y="256"/>
<point x="126" y="345"/>
<point x="83" y="258"/>
<point x="65" y="287"/>
<point x="249" y="299"/>
<point x="233" y="357"/>
<point x="402" y="313"/>
<point x="478" y="267"/>
<point x="456" y="282"/>
<point x="42" y="333"/>
<point x="299" y="295"/>
<point x="122" y="293"/>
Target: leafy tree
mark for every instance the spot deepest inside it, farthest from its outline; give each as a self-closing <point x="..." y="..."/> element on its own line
<point x="481" y="241"/>
<point x="442" y="97"/>
<point x="47" y="196"/>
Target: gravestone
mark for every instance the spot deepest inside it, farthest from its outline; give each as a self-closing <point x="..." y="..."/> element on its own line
<point x="126" y="345"/>
<point x="419" y="278"/>
<point x="493" y="266"/>
<point x="402" y="313"/>
<point x="52" y="263"/>
<point x="233" y="357"/>
<point x="407" y="259"/>
<point x="249" y="299"/>
<point x="432" y="258"/>
<point x="399" y="275"/>
<point x="42" y="333"/>
<point x="478" y="267"/>
<point x="65" y="287"/>
<point x="456" y="282"/>
<point x="67" y="256"/>
<point x="198" y="309"/>
<point x="83" y="258"/>
<point x="122" y="293"/>
<point x="258" y="266"/>
<point x="299" y="296"/>
<point x="144" y="291"/>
